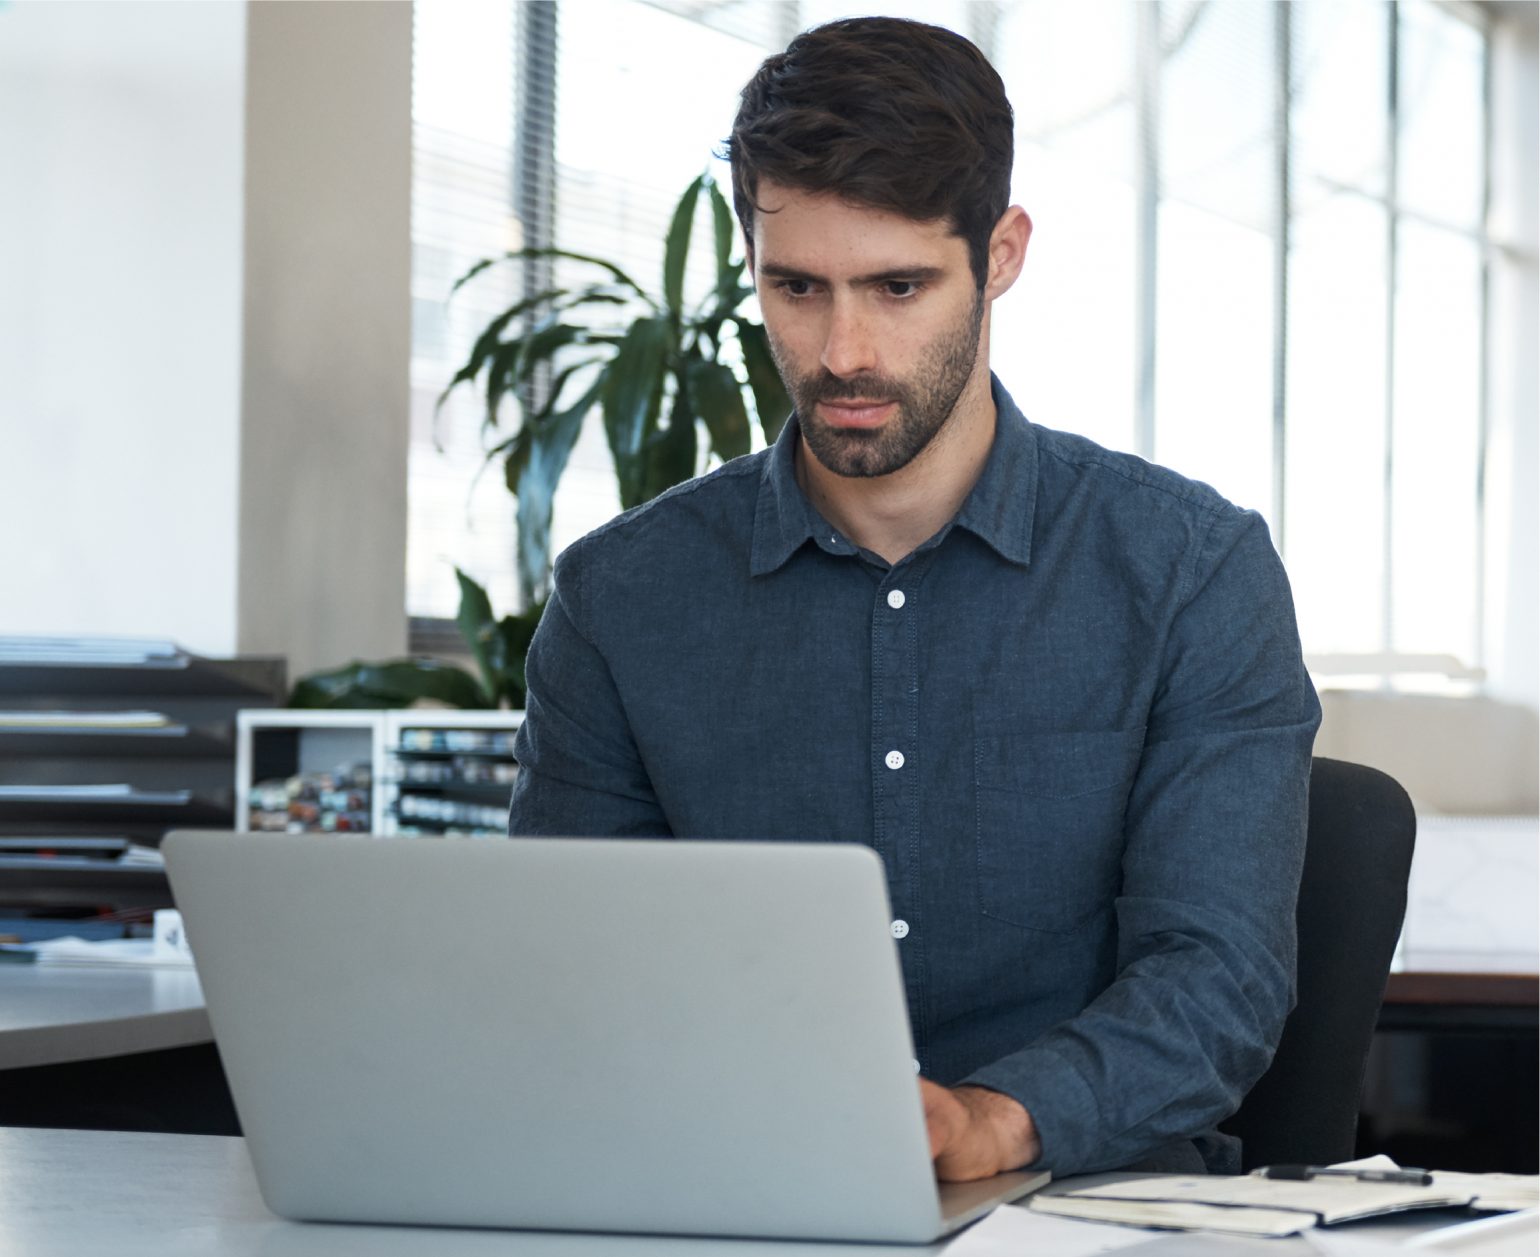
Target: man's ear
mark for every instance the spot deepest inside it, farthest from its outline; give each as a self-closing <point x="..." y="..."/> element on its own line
<point x="1007" y="251"/>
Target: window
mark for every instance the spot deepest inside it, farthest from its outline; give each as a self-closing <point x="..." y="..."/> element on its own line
<point x="1259" y="257"/>
<point x="465" y="64"/>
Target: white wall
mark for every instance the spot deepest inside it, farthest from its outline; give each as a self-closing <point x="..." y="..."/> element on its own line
<point x="205" y="324"/>
<point x="120" y="274"/>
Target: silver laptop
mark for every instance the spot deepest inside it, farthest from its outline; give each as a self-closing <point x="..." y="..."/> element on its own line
<point x="686" y="1038"/>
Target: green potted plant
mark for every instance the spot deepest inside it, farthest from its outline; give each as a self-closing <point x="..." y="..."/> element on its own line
<point x="660" y="372"/>
<point x="497" y="645"/>
<point x="654" y="367"/>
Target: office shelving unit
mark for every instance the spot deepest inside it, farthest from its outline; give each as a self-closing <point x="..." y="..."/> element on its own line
<point x="286" y="742"/>
<point x="431" y="772"/>
<point x="106" y="744"/>
<point x="128" y="739"/>
<point x="449" y="772"/>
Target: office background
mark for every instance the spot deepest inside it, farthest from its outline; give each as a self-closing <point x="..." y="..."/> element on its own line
<point x="1290" y="249"/>
<point x="1286" y="248"/>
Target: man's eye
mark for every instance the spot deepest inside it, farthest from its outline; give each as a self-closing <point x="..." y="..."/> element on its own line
<point x="795" y="287"/>
<point x="900" y="287"/>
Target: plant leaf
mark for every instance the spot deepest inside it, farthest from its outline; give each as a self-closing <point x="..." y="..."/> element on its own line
<point x="475" y="621"/>
<point x="488" y="340"/>
<point x="771" y="403"/>
<point x="546" y="252"/>
<point x="514" y="361"/>
<point x="500" y="378"/>
<point x="553" y="399"/>
<point x="542" y="344"/>
<point x="722" y="223"/>
<point x="676" y="250"/>
<point x="476" y="270"/>
<point x="669" y="456"/>
<point x="390" y="683"/>
<point x="717" y="397"/>
<point x="722" y="305"/>
<point x="513" y="636"/>
<point x="532" y="472"/>
<point x="633" y="389"/>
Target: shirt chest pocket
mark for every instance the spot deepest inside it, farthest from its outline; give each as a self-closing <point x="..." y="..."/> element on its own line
<point x="1049" y="832"/>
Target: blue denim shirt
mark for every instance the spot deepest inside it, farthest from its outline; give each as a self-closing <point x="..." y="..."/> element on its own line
<point x="1074" y="724"/>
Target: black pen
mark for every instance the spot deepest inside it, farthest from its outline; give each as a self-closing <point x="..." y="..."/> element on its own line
<point x="1412" y="1178"/>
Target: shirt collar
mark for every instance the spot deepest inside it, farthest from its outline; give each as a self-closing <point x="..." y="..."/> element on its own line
<point x="998" y="510"/>
<point x="783" y="517"/>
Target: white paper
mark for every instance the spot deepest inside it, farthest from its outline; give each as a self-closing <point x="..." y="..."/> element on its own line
<point x="82" y="720"/>
<point x="1333" y="1199"/>
<point x="1494" y="1192"/>
<point x="1014" y="1231"/>
<point x="138" y="952"/>
<point x="1508" y="1235"/>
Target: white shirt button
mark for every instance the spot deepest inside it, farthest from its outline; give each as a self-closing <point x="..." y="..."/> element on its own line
<point x="895" y="759"/>
<point x="895" y="598"/>
<point x="900" y="929"/>
<point x="917" y="1064"/>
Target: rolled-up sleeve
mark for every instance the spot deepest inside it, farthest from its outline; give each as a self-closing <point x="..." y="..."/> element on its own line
<point x="1214" y="843"/>
<point x="580" y="774"/>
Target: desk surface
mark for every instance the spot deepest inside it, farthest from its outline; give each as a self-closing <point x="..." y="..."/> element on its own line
<point x="67" y="1192"/>
<point x="50" y="1014"/>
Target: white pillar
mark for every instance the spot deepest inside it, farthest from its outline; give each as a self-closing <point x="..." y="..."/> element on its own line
<point x="327" y="332"/>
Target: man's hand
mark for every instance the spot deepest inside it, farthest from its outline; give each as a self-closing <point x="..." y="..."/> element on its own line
<point x="976" y="1133"/>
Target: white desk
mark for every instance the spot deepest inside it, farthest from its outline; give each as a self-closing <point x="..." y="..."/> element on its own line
<point x="51" y="1014"/>
<point x="64" y="1193"/>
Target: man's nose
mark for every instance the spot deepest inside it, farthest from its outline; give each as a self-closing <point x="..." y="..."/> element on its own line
<point x="850" y="346"/>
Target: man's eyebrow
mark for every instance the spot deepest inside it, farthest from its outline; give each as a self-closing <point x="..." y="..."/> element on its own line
<point x="913" y="274"/>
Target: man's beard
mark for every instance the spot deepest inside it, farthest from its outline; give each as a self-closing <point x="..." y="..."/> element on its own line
<point x="926" y="399"/>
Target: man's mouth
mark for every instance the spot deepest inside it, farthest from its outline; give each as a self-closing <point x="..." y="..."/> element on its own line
<point x="860" y="412"/>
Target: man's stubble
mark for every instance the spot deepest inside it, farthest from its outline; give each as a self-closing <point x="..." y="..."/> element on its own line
<point x="926" y="398"/>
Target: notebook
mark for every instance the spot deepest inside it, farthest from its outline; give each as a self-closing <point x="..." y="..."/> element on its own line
<point x="658" y="1037"/>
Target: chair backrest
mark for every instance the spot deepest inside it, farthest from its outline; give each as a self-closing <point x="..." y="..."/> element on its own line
<point x="1352" y="898"/>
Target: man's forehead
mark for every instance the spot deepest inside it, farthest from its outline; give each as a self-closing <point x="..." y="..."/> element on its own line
<point x="793" y="224"/>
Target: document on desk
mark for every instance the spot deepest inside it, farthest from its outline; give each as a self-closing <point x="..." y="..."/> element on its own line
<point x="1248" y="1204"/>
<point x="1493" y="1235"/>
<point x="1015" y="1231"/>
<point x="1494" y="1193"/>
<point x="117" y="952"/>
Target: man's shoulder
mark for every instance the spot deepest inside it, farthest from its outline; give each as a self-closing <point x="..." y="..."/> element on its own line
<point x="1080" y="465"/>
<point x="724" y="498"/>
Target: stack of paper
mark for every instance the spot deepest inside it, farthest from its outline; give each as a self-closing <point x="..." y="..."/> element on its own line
<point x="87" y="651"/>
<point x="1494" y="1193"/>
<point x="1247" y="1205"/>
<point x="135" y="952"/>
<point x="106" y="721"/>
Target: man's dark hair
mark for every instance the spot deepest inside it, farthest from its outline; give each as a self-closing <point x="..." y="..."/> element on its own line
<point x="883" y="112"/>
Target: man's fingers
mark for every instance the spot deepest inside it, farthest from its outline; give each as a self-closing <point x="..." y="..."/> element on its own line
<point x="975" y="1133"/>
<point x="944" y="1115"/>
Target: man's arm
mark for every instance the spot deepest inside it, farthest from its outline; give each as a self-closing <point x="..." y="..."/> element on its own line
<point x="580" y="774"/>
<point x="1214" y="829"/>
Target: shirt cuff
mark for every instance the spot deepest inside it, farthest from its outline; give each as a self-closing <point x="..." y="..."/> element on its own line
<point x="1062" y="1106"/>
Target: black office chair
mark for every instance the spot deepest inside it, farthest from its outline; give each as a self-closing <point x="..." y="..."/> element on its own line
<point x="1352" y="899"/>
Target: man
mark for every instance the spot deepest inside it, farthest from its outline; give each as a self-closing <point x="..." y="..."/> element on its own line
<point x="1057" y="689"/>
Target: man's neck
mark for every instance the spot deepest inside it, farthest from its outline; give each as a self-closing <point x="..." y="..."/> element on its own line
<point x="892" y="515"/>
